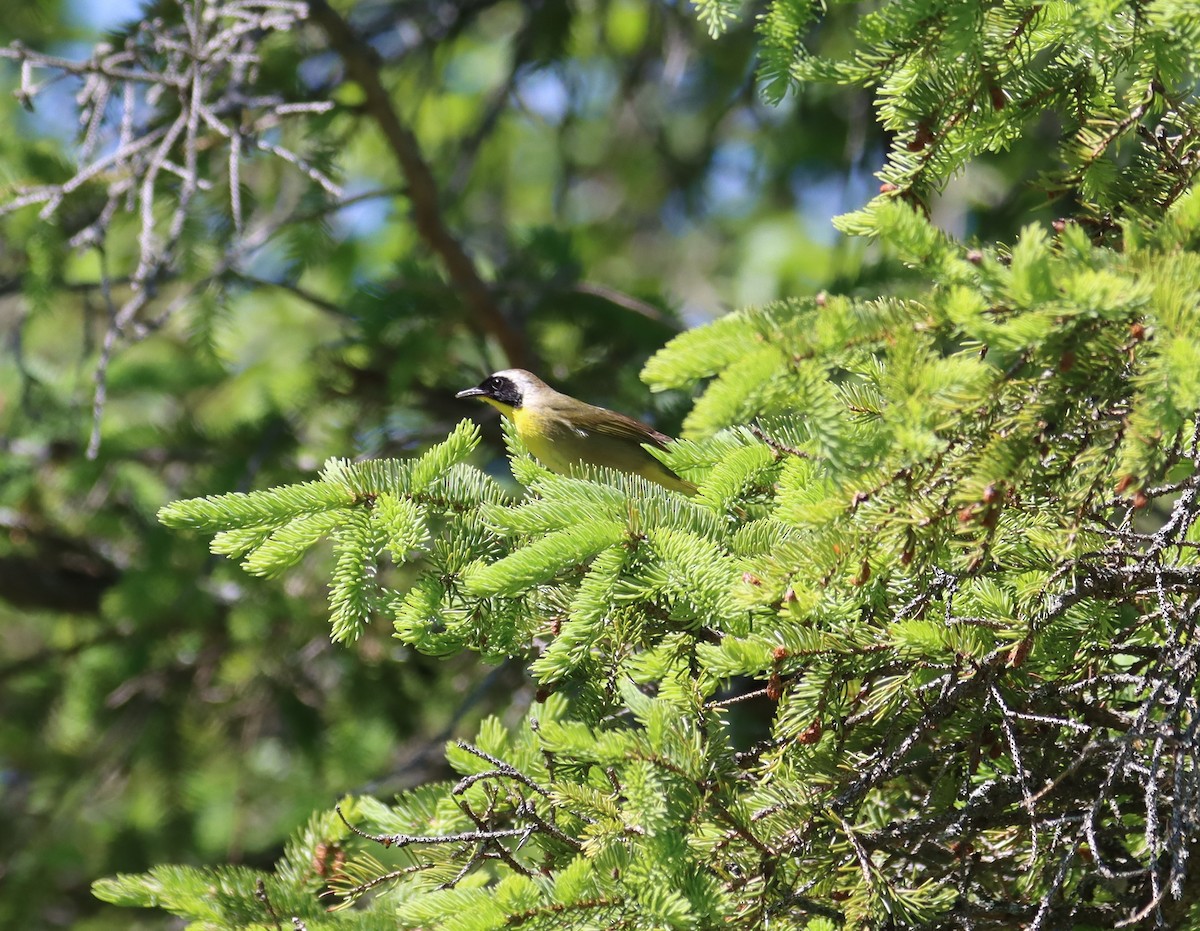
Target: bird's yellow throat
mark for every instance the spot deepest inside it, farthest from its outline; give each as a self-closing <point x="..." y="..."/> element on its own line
<point x="506" y="409"/>
<point x="527" y="422"/>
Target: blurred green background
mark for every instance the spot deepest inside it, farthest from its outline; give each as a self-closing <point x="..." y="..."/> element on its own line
<point x="617" y="177"/>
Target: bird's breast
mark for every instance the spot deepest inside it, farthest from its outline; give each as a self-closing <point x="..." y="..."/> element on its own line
<point x="552" y="440"/>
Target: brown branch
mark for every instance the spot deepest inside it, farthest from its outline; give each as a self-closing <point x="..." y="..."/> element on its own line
<point x="621" y="299"/>
<point x="776" y="445"/>
<point x="44" y="571"/>
<point x="296" y="290"/>
<point x="558" y="908"/>
<point x="362" y="66"/>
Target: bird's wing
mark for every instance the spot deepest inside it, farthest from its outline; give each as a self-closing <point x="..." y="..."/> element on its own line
<point x="618" y="426"/>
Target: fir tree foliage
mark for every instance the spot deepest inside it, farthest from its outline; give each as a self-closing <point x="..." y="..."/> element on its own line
<point x="923" y="530"/>
<point x="895" y="551"/>
<point x="955" y="79"/>
<point x="365" y="509"/>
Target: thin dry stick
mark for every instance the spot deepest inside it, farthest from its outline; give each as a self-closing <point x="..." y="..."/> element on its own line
<point x="202" y="71"/>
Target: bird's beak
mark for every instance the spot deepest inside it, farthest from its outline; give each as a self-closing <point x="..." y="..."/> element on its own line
<point x="472" y="393"/>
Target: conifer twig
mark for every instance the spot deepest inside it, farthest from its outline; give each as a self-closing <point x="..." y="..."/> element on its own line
<point x="501" y="769"/>
<point x="407" y="840"/>
<point x="776" y="445"/>
<point x="500" y="849"/>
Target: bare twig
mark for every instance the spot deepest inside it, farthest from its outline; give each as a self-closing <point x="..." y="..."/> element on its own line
<point x="204" y="66"/>
<point x="621" y="299"/>
<point x="776" y="445"/>
<point x="406" y="840"/>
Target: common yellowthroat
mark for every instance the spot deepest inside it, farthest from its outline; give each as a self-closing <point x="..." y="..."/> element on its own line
<point x="561" y="431"/>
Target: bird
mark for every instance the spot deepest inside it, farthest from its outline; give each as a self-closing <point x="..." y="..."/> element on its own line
<point x="562" y="432"/>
